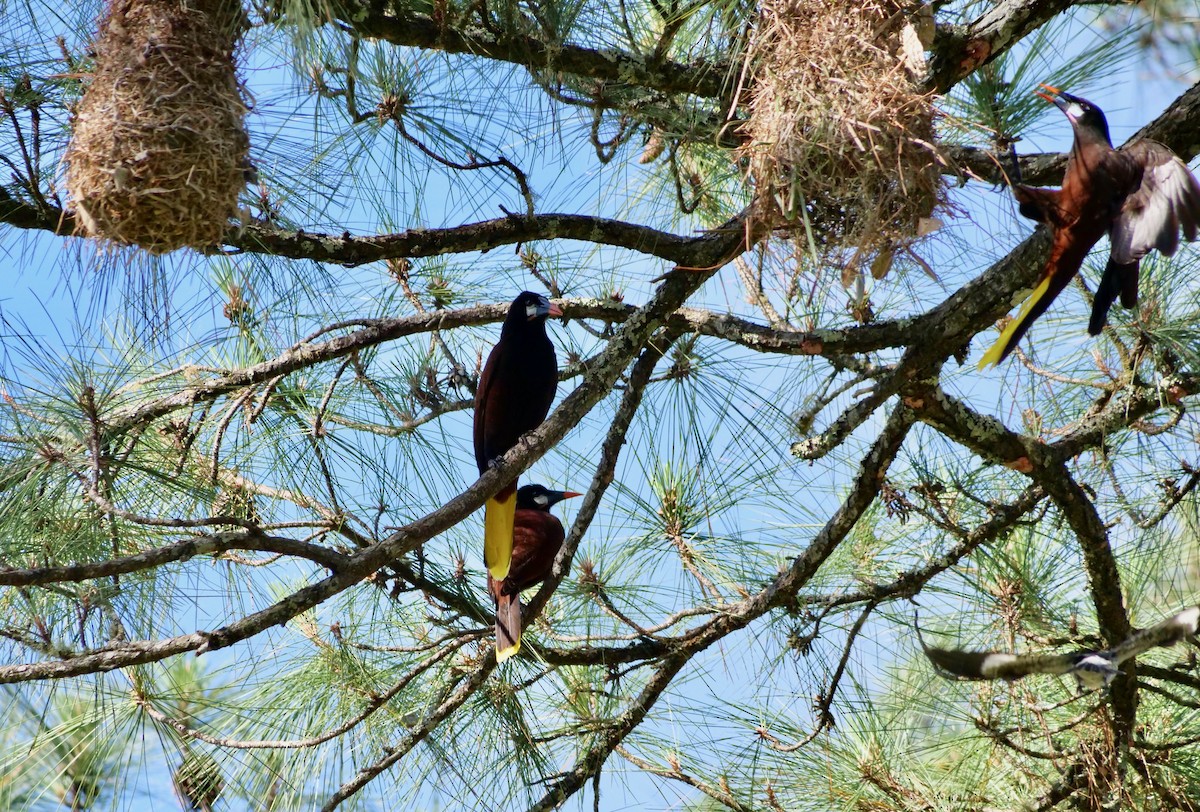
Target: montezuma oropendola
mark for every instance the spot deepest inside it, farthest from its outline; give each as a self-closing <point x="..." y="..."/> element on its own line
<point x="1141" y="195"/>
<point x="537" y="537"/>
<point x="514" y="394"/>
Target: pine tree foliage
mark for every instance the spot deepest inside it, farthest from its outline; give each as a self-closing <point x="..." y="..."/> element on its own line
<point x="240" y="548"/>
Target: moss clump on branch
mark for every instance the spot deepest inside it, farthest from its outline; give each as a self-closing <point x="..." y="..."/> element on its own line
<point x="158" y="152"/>
<point x="839" y="133"/>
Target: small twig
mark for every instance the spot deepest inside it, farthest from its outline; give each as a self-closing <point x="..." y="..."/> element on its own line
<point x="824" y="706"/>
<point x="317" y="429"/>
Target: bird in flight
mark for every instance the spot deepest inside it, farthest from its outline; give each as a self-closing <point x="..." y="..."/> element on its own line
<point x="1091" y="669"/>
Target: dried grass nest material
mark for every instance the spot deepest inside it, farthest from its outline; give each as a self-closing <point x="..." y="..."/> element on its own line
<point x="159" y="150"/>
<point x="839" y="133"/>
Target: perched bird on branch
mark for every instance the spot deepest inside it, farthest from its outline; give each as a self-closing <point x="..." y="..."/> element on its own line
<point x="1091" y="669"/>
<point x="1141" y="195"/>
<point x="513" y="397"/>
<point x="537" y="537"/>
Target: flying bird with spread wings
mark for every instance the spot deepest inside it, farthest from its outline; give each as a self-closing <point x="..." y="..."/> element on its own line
<point x="1141" y="195"/>
<point x="1091" y="669"/>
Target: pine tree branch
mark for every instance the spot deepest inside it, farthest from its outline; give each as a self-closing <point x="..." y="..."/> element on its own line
<point x="862" y="492"/>
<point x="422" y="729"/>
<point x="375" y="702"/>
<point x="610" y="735"/>
<point x="597" y="383"/>
<point x="908" y="584"/>
<point x="213" y="544"/>
<point x="1037" y="168"/>
<point x="350" y="250"/>
<point x="1073" y="779"/>
<point x="823" y="706"/>
<point x="781" y="592"/>
<point x="1175" y="128"/>
<point x="538" y="54"/>
<point x="959" y="50"/>
<point x="1104" y="582"/>
<point x="1045" y="465"/>
<point x="610" y="449"/>
<point x="676" y="773"/>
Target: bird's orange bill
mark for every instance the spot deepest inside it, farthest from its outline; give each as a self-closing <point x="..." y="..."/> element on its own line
<point x="570" y="494"/>
<point x="1051" y="88"/>
<point x="555" y="310"/>
<point x="1016" y="327"/>
<point x="508" y="626"/>
<point x="498" y="532"/>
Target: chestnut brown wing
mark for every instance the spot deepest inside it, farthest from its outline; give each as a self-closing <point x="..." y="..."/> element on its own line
<point x="537" y="538"/>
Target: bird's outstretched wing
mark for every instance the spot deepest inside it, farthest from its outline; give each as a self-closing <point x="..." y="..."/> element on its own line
<point x="984" y="665"/>
<point x="1178" y="626"/>
<point x="1166" y="202"/>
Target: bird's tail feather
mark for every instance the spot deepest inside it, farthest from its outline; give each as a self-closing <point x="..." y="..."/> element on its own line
<point x="1035" y="305"/>
<point x="1119" y="279"/>
<point x="508" y="626"/>
<point x="498" y="531"/>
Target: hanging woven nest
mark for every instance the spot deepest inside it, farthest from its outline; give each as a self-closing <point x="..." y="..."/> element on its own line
<point x="159" y="151"/>
<point x="840" y="139"/>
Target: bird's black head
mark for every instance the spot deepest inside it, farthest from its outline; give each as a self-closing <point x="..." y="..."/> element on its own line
<point x="539" y="497"/>
<point x="1083" y="115"/>
<point x="530" y="307"/>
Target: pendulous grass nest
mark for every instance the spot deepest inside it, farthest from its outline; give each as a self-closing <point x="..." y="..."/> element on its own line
<point x="840" y="138"/>
<point x="158" y="152"/>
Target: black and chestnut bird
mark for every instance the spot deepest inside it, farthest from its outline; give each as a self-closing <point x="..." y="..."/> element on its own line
<point x="1141" y="195"/>
<point x="514" y="394"/>
<point x="537" y="536"/>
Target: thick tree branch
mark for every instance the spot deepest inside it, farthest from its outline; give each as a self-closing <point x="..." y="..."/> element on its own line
<point x="958" y="50"/>
<point x="1037" y="168"/>
<point x="405" y="27"/>
<point x="346" y="249"/>
<point x="1104" y="582"/>
<point x="180" y="551"/>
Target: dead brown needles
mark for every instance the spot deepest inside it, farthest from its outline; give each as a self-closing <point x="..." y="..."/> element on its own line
<point x="840" y="137"/>
<point x="158" y="152"/>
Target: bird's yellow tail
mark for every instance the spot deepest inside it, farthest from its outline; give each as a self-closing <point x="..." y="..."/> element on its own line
<point x="508" y="626"/>
<point x="498" y="532"/>
<point x="1016" y="328"/>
